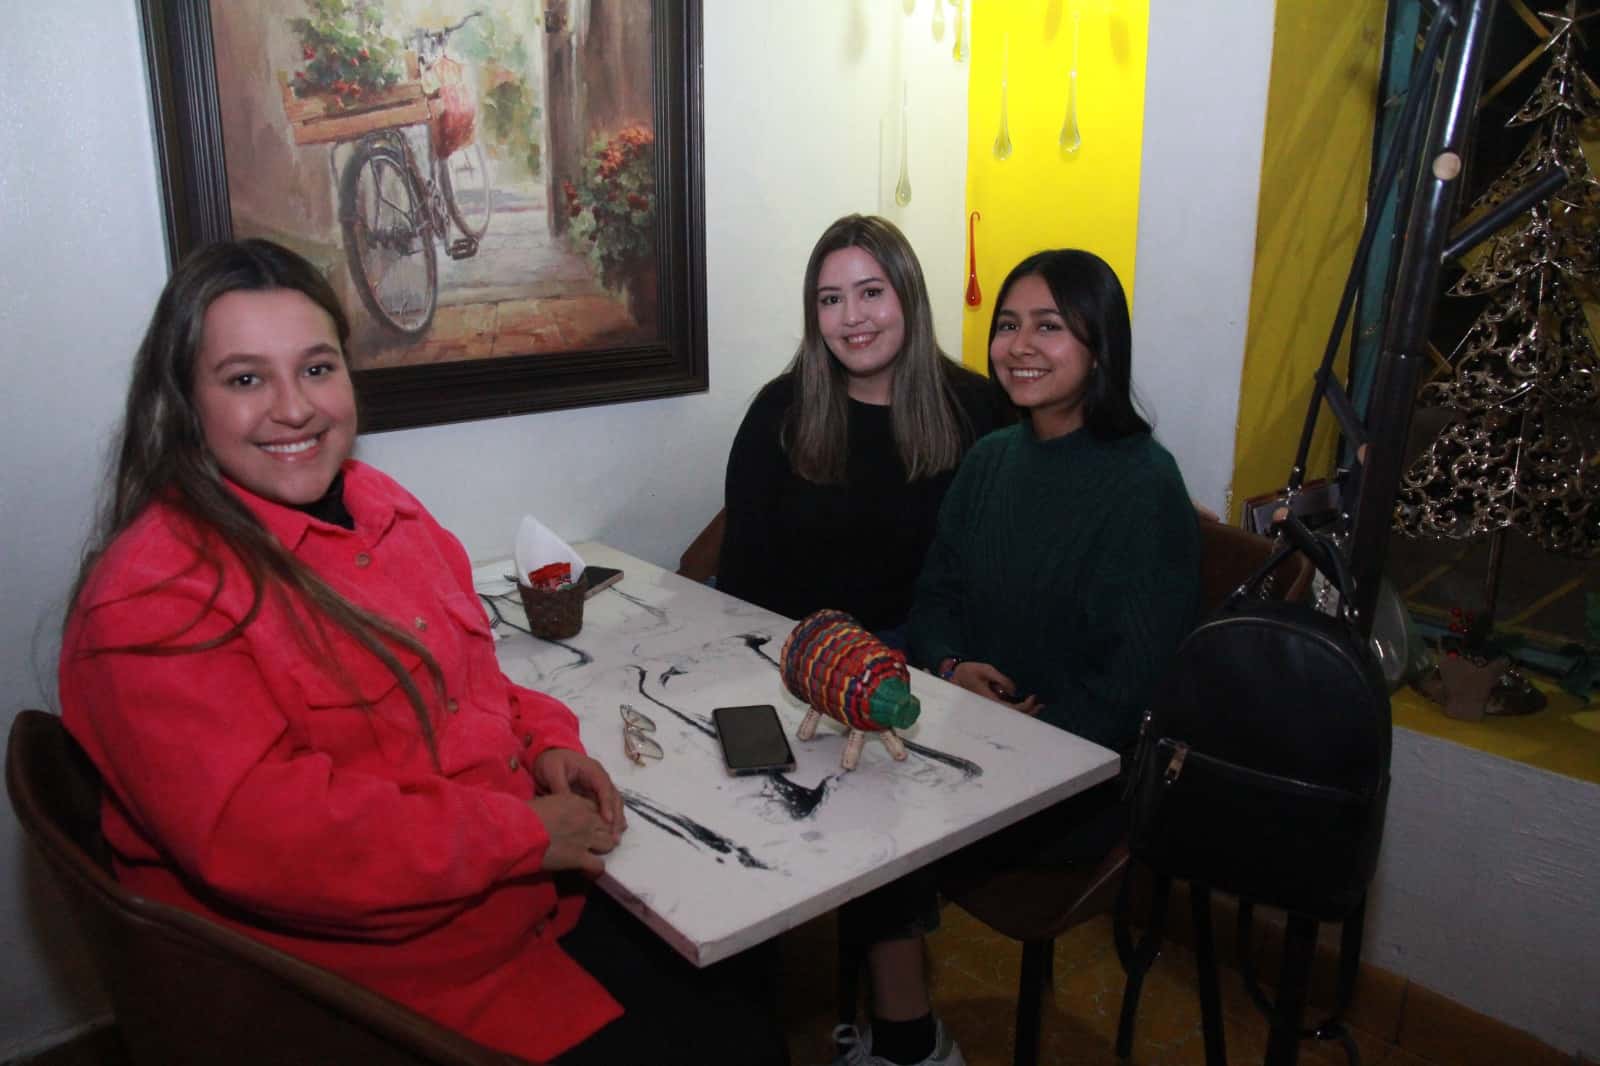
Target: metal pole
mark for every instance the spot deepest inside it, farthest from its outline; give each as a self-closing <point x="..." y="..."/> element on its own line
<point x="1415" y="295"/>
<point x="1491" y="580"/>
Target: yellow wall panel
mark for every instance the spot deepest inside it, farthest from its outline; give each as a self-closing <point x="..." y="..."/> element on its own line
<point x="1321" y="111"/>
<point x="1041" y="197"/>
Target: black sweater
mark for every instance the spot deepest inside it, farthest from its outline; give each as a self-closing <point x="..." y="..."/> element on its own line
<point x="793" y="546"/>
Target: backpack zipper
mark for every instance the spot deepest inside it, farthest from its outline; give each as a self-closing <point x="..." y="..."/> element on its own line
<point x="1262" y="779"/>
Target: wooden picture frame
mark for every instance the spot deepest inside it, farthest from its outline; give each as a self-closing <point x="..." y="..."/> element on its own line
<point x="518" y="340"/>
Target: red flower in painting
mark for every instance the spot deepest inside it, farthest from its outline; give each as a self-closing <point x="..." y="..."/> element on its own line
<point x="614" y="202"/>
<point x="309" y="53"/>
<point x="637" y="136"/>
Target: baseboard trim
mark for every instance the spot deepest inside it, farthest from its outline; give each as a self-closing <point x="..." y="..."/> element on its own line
<point x="1387" y="1005"/>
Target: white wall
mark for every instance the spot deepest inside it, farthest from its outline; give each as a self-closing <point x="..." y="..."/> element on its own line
<point x="1486" y="890"/>
<point x="1205" y="116"/>
<point x="793" y="101"/>
<point x="81" y="261"/>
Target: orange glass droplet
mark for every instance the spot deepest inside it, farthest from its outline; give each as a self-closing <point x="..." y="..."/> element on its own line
<point x="974" y="294"/>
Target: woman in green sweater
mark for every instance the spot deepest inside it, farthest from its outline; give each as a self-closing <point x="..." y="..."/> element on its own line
<point x="1066" y="565"/>
<point x="1064" y="570"/>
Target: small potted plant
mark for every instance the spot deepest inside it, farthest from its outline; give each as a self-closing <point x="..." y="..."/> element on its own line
<point x="1469" y="666"/>
<point x="1476" y="675"/>
<point x="612" y="207"/>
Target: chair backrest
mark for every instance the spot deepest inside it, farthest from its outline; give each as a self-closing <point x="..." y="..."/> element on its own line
<point x="1229" y="555"/>
<point x="700" y="558"/>
<point x="185" y="989"/>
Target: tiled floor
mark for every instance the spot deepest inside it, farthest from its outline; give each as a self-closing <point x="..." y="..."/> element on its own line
<point x="975" y="983"/>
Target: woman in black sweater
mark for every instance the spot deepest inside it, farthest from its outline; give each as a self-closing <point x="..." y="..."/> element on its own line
<point x="838" y="470"/>
<point x="833" y="493"/>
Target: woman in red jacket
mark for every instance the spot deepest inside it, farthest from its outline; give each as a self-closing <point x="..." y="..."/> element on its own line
<point x="276" y="659"/>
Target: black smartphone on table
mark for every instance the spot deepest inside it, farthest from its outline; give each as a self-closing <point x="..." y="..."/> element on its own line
<point x="753" y="741"/>
<point x="596" y="578"/>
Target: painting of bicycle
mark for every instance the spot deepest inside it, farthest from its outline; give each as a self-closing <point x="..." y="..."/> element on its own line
<point x="484" y="180"/>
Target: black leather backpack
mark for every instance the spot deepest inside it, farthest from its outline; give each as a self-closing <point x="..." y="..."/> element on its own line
<point x="1263" y="766"/>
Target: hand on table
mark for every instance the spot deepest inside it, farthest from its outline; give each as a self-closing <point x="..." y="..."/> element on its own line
<point x="991" y="684"/>
<point x="578" y="835"/>
<point x="560" y="770"/>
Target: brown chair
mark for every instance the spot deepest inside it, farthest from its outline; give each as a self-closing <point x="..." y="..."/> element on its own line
<point x="187" y="990"/>
<point x="1035" y="906"/>
<point x="699" y="559"/>
<point x="1229" y="555"/>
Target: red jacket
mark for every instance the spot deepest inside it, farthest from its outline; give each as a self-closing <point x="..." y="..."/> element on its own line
<point x="248" y="783"/>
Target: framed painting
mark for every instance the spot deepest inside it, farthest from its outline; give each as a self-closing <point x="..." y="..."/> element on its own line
<point x="507" y="195"/>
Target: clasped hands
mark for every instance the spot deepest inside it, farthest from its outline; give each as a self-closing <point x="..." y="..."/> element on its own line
<point x="580" y="808"/>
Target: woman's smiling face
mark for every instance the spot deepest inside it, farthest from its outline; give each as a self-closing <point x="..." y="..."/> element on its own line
<point x="273" y="393"/>
<point x="859" y="315"/>
<point x="1042" y="366"/>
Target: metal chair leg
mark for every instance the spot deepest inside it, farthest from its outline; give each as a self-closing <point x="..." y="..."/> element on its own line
<point x="1138" y="958"/>
<point x="1299" y="946"/>
<point x="1036" y="956"/>
<point x="852" y="957"/>
<point x="1205" y="961"/>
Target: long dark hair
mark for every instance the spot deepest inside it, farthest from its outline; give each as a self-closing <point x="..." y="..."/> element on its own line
<point x="161" y="454"/>
<point x="929" y="427"/>
<point x="1090" y="298"/>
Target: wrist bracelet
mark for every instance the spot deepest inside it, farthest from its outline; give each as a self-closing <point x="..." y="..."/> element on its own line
<point x="949" y="672"/>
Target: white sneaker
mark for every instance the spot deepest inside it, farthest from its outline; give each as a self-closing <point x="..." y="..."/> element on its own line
<point x="858" y="1048"/>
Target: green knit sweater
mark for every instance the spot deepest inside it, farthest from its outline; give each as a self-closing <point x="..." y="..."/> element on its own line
<point x="1070" y="565"/>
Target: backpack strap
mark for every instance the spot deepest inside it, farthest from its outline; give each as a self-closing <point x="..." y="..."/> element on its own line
<point x="1295" y="536"/>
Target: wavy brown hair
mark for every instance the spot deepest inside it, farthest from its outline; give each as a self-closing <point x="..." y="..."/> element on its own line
<point x="929" y="427"/>
<point x="161" y="454"/>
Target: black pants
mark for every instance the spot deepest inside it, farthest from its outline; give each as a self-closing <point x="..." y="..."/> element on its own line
<point x="1078" y="831"/>
<point x="674" y="1012"/>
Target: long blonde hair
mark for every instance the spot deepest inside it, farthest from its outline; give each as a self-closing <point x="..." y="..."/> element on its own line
<point x="929" y="427"/>
<point x="162" y="455"/>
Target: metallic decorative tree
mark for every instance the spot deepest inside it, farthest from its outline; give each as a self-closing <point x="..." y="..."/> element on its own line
<point x="1523" y="449"/>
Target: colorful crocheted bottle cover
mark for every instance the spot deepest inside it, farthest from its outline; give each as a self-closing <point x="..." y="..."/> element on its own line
<point x="848" y="674"/>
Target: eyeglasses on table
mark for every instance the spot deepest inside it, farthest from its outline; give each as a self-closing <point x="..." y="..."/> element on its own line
<point x="637" y="743"/>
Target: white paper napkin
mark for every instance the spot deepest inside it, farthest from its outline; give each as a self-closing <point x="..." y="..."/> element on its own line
<point x="537" y="546"/>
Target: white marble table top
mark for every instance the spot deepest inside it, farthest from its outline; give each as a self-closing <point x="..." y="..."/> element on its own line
<point x="716" y="863"/>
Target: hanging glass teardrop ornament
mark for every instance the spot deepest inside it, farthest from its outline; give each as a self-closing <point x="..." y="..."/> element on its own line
<point x="902" y="188"/>
<point x="1002" y="138"/>
<point x="1071" y="140"/>
<point x="974" y="294"/>
<point x="938" y="20"/>
<point x="909" y="5"/>
<point x="959" y="52"/>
